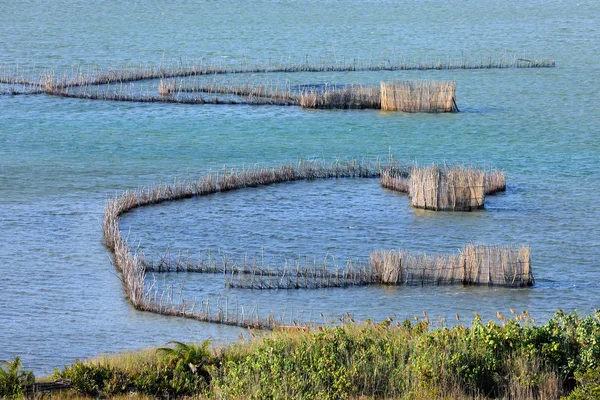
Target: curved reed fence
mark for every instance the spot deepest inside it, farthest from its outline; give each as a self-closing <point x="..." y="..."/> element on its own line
<point x="352" y="96"/>
<point x="503" y="266"/>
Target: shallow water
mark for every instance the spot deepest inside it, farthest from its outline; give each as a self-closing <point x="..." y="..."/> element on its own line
<point x="60" y="297"/>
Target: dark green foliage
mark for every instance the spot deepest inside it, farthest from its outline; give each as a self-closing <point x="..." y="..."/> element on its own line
<point x="588" y="385"/>
<point x="96" y="380"/>
<point x="190" y="365"/>
<point x="14" y="381"/>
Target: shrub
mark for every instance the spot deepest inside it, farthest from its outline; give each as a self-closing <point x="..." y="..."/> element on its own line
<point x="168" y="372"/>
<point x="14" y="381"/>
<point x="588" y="385"/>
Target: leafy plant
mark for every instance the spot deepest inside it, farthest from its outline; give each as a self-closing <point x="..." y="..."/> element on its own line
<point x="14" y="381"/>
<point x="190" y="363"/>
<point x="588" y="385"/>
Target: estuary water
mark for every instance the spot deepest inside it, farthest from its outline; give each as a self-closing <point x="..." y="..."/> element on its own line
<point x="60" y="297"/>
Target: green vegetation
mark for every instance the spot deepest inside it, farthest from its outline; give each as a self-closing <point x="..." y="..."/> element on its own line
<point x="514" y="358"/>
<point x="14" y="381"/>
<point x="166" y="372"/>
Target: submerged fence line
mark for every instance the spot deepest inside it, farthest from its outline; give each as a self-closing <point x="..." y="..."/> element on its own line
<point x="383" y="267"/>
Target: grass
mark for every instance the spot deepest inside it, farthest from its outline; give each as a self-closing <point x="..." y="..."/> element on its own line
<point x="510" y="358"/>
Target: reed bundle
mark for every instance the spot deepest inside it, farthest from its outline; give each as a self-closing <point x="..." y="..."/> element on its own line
<point x="419" y="96"/>
<point x="456" y="188"/>
<point x="474" y="265"/>
<point x="166" y="88"/>
<point x="406" y="268"/>
<point x="346" y="97"/>
<point x="496" y="265"/>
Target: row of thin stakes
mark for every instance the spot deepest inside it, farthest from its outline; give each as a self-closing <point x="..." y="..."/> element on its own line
<point x="81" y="76"/>
<point x="488" y="265"/>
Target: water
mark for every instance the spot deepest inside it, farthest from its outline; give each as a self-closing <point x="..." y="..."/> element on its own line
<point x="60" y="297"/>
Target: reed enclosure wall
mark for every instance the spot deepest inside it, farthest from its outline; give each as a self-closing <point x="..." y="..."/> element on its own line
<point x="475" y="265"/>
<point x="495" y="181"/>
<point x="419" y="96"/>
<point x="497" y="265"/>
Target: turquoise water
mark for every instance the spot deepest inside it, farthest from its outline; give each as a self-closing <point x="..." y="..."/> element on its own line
<point x="60" y="297"/>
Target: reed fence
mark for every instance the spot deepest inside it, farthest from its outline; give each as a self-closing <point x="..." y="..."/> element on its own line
<point x="447" y="189"/>
<point x="130" y="263"/>
<point x="491" y="265"/>
<point x="265" y="91"/>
